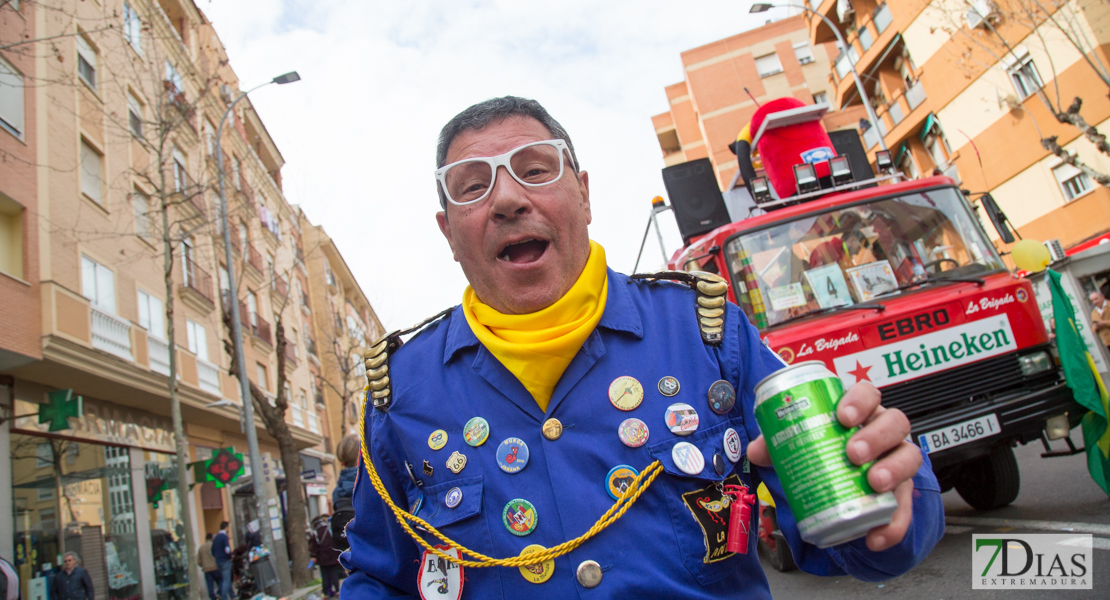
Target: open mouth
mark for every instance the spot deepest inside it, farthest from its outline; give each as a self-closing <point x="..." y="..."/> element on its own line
<point x="523" y="252"/>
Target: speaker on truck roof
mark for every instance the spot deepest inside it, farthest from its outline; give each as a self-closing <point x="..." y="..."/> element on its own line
<point x="846" y="142"/>
<point x="698" y="204"/>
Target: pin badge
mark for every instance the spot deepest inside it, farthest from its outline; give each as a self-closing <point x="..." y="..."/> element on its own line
<point x="519" y="517"/>
<point x="512" y="455"/>
<point x="732" y="445"/>
<point x="722" y="397"/>
<point x="626" y="393"/>
<point x="456" y="462"/>
<point x="440" y="579"/>
<point x="619" y="479"/>
<point x="681" y="418"/>
<point x="668" y="386"/>
<point x="453" y="497"/>
<point x="476" y="431"/>
<point x="437" y="439"/>
<point x="688" y="458"/>
<point x="428" y="470"/>
<point x="537" y="573"/>
<point x="633" y="432"/>
<point x="552" y="429"/>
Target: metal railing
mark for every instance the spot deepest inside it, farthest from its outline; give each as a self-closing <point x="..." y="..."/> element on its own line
<point x="254" y="258"/>
<point x="915" y="95"/>
<point x="197" y="279"/>
<point x="280" y="286"/>
<point x="208" y="375"/>
<point x="261" y="330"/>
<point x="290" y="354"/>
<point x="159" y="355"/>
<point x="110" y="333"/>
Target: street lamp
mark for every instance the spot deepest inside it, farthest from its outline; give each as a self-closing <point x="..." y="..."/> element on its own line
<point x="236" y="325"/>
<point x="766" y="6"/>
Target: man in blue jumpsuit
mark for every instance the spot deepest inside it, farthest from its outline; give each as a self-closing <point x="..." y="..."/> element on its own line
<point x="670" y="544"/>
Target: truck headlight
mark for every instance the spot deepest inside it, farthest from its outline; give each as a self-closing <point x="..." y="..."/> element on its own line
<point x="1036" y="362"/>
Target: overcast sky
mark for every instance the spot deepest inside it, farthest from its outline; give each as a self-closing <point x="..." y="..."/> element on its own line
<point x="379" y="79"/>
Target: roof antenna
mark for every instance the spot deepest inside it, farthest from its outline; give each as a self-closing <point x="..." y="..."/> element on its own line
<point x="751" y="96"/>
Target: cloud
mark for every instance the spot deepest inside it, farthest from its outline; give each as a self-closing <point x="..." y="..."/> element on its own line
<point x="380" y="78"/>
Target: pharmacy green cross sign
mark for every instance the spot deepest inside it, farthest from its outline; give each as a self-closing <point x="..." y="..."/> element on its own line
<point x="60" y="406"/>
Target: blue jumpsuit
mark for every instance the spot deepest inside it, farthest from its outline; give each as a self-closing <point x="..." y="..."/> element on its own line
<point x="665" y="546"/>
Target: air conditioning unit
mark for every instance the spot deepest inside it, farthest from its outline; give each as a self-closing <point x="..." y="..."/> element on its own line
<point x="981" y="12"/>
<point x="1055" y="250"/>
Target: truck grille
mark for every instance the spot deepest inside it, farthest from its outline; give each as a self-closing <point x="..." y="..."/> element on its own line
<point x="970" y="383"/>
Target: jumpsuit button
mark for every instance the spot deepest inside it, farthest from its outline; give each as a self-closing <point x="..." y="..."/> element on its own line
<point x="589" y="574"/>
<point x="552" y="429"/>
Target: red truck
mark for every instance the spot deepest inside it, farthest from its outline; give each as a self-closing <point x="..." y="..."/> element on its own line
<point x="896" y="283"/>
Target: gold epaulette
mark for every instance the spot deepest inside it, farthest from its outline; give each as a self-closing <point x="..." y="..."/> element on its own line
<point x="711" y="295"/>
<point x="378" y="387"/>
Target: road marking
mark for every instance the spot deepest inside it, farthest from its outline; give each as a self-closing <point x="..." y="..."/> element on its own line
<point x="956" y="529"/>
<point x="1064" y="526"/>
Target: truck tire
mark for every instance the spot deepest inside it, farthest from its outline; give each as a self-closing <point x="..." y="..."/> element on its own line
<point x="990" y="482"/>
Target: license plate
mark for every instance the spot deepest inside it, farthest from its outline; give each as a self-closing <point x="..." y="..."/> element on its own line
<point x="960" y="433"/>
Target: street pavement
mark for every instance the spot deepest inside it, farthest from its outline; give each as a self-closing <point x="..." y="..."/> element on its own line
<point x="1057" y="496"/>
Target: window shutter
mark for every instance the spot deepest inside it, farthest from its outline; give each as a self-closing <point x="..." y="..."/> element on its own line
<point x="11" y="96"/>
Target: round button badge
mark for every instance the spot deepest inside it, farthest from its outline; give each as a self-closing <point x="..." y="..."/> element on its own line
<point x="519" y="517"/>
<point x="722" y="397"/>
<point x="633" y="432"/>
<point x="476" y="431"/>
<point x="626" y="393"/>
<point x="681" y="418"/>
<point x="688" y="458"/>
<point x="668" y="386"/>
<point x="453" y="497"/>
<point x="732" y="445"/>
<point x="537" y="573"/>
<point x="437" y="439"/>
<point x="512" y="455"/>
<point x="619" y="479"/>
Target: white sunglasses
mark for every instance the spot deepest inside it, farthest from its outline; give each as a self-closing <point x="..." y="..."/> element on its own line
<point x="534" y="165"/>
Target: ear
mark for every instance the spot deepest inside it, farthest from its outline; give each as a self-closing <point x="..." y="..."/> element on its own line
<point x="445" y="229"/>
<point x="584" y="190"/>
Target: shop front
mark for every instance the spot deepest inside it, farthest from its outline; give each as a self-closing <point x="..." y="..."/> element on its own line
<point x="105" y="488"/>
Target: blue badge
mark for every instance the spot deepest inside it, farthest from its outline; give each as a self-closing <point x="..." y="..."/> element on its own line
<point x="619" y="479"/>
<point x="453" y="498"/>
<point x="816" y="155"/>
<point x="512" y="455"/>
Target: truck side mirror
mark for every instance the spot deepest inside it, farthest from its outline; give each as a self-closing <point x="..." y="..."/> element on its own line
<point x="997" y="217"/>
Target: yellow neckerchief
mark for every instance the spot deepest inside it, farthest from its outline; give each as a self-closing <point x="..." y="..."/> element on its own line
<point x="537" y="347"/>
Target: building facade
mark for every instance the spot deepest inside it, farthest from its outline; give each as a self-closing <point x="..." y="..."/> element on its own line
<point x="107" y="122"/>
<point x="971" y="89"/>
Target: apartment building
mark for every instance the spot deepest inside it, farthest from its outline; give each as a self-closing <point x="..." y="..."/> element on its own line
<point x="107" y="125"/>
<point x="965" y="89"/>
<point x="726" y="81"/>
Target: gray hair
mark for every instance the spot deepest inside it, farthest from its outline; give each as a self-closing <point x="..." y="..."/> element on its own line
<point x="76" y="556"/>
<point x="484" y="113"/>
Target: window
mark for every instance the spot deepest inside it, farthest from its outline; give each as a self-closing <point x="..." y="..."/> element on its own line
<point x="132" y="28"/>
<point x="11" y="99"/>
<point x="908" y="165"/>
<point x="98" y="284"/>
<point x="210" y="137"/>
<point x="86" y="61"/>
<point x="883" y="18"/>
<point x="173" y="80"/>
<point x="768" y="64"/>
<point x="252" y="308"/>
<point x="288" y="391"/>
<point x="936" y="144"/>
<point x="293" y="340"/>
<point x="225" y="283"/>
<point x="243" y="237"/>
<point x="263" y="379"/>
<point x="865" y="40"/>
<point x="803" y="53"/>
<point x="188" y="261"/>
<point x="92" y="181"/>
<point x="820" y="98"/>
<point x="198" y="339"/>
<point x="11" y="237"/>
<point x="140" y="202"/>
<point x="180" y="177"/>
<point x="151" y="315"/>
<point x="1023" y="73"/>
<point x="134" y="114"/>
<point x="236" y="174"/>
<point x="1073" y="182"/>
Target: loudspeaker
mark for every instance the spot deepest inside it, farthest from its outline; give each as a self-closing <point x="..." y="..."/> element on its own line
<point x="846" y="142"/>
<point x="698" y="205"/>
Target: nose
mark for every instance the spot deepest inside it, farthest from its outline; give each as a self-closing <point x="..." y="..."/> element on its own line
<point x="508" y="199"/>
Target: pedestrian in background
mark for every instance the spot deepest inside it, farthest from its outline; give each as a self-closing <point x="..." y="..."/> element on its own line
<point x="73" y="581"/>
<point x="9" y="581"/>
<point x="208" y="564"/>
<point x="221" y="551"/>
<point x="322" y="548"/>
<point x="343" y="509"/>
<point x="1100" y="317"/>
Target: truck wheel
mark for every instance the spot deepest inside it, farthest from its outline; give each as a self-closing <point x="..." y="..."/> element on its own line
<point x="990" y="482"/>
<point x="776" y="548"/>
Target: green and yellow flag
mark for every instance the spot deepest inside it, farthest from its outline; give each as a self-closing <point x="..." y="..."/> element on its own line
<point x="1085" y="383"/>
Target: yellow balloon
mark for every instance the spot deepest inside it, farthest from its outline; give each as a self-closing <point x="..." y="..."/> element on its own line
<point x="1030" y="255"/>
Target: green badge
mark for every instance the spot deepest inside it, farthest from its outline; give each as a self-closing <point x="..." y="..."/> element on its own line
<point x="520" y="517"/>
<point x="476" y="431"/>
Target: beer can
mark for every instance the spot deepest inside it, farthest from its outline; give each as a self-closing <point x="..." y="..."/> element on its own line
<point x="829" y="495"/>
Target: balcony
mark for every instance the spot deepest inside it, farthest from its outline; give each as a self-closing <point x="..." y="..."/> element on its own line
<point x="261" y="330"/>
<point x="915" y="95"/>
<point x="254" y="258"/>
<point x="159" y="355"/>
<point x="304" y="304"/>
<point x="110" y="333"/>
<point x="290" y="355"/>
<point x="298" y="414"/>
<point x="313" y="421"/>
<point x="197" y="282"/>
<point x="280" y="286"/>
<point x="208" y="375"/>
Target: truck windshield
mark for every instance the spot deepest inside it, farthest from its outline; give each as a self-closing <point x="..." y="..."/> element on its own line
<point x="855" y="253"/>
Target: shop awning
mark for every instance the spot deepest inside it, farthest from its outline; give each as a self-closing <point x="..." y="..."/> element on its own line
<point x="930" y="124"/>
<point x="901" y="154"/>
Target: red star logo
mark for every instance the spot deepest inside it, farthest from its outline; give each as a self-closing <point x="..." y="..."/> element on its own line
<point x="860" y="373"/>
